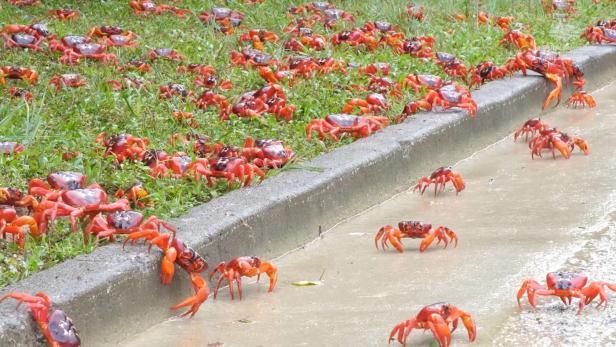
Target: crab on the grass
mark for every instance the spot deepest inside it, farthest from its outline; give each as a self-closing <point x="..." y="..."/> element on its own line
<point x="565" y="285"/>
<point x="531" y="127"/>
<point x="177" y="252"/>
<point x="20" y="93"/>
<point x="419" y="81"/>
<point x="451" y="65"/>
<point x="17" y="73"/>
<point x="12" y="224"/>
<point x="439" y="178"/>
<point x="414" y="230"/>
<point x="252" y="57"/>
<point x="519" y="40"/>
<point x="70" y="80"/>
<point x="120" y="41"/>
<point x="123" y="146"/>
<point x="601" y="33"/>
<point x="209" y="98"/>
<point x="373" y="103"/>
<point x="418" y="47"/>
<point x="170" y="90"/>
<point x="267" y="153"/>
<point x="58" y="329"/>
<point x="165" y="53"/>
<point x="66" y="43"/>
<point x="552" y="139"/>
<point x="258" y="37"/>
<point x="436" y="318"/>
<point x="123" y="223"/>
<point x="78" y="203"/>
<point x="57" y="183"/>
<point x="448" y="96"/>
<point x="225" y="18"/>
<point x="136" y="65"/>
<point x="109" y="30"/>
<point x="486" y="71"/>
<point x="21" y="36"/>
<point x="89" y="51"/>
<point x="244" y="267"/>
<point x="335" y="124"/>
<point x="11" y="147"/>
<point x="177" y="165"/>
<point x="270" y="98"/>
<point x="146" y="7"/>
<point x="64" y="14"/>
<point x="232" y="168"/>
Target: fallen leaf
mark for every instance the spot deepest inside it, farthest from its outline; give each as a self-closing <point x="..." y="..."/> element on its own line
<point x="307" y="283"/>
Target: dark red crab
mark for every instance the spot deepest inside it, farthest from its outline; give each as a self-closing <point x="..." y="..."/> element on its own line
<point x="64" y="14"/>
<point x="439" y="178"/>
<point x="123" y="223"/>
<point x="69" y="80"/>
<point x="58" y="329"/>
<point x="225" y="18"/>
<point x="231" y="169"/>
<point x="165" y="53"/>
<point x="252" y="57"/>
<point x="146" y="7"/>
<point x="23" y="40"/>
<point x="20" y="93"/>
<point x="170" y="90"/>
<point x="531" y="127"/>
<point x="486" y="71"/>
<point x="123" y="146"/>
<point x="18" y="73"/>
<point x="451" y="65"/>
<point x="93" y="51"/>
<point x="419" y="81"/>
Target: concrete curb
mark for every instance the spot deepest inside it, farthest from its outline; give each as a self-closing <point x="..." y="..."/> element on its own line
<point x="111" y="293"/>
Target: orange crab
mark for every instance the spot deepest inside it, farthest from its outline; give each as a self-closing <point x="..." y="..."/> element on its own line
<point x="414" y="230"/>
<point x="177" y="252"/>
<point x="18" y="73"/>
<point x="565" y="285"/>
<point x="11" y="223"/>
<point x="552" y="139"/>
<point x="436" y="318"/>
<point x="244" y="267"/>
<point x="439" y="178"/>
<point x="258" y="38"/>
<point x="519" y="40"/>
<point x="531" y="127"/>
<point x="373" y="103"/>
<point x="70" y="80"/>
<point x="356" y="126"/>
<point x="64" y="14"/>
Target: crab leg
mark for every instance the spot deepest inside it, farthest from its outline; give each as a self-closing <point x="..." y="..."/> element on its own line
<point x="201" y="294"/>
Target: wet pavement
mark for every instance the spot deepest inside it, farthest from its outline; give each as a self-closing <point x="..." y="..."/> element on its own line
<point x="517" y="218"/>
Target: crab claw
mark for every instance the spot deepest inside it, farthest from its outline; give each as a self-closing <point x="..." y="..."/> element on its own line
<point x="581" y="99"/>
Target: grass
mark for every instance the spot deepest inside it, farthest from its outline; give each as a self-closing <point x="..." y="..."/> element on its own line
<point x="57" y="122"/>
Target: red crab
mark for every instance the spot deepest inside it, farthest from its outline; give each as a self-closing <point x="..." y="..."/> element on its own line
<point x="20" y="93"/>
<point x="356" y="37"/>
<point x="209" y="98"/>
<point x="244" y="267"/>
<point x="14" y="197"/>
<point x="485" y="72"/>
<point x="177" y="252"/>
<point x="414" y="230"/>
<point x="165" y="53"/>
<point x="70" y="80"/>
<point x="24" y="2"/>
<point x="136" y="65"/>
<point x="18" y="73"/>
<point x="64" y="14"/>
<point x="136" y="194"/>
<point x="225" y="18"/>
<point x="36" y="29"/>
<point x="57" y="183"/>
<point x="269" y="98"/>
<point x="231" y="168"/>
<point x="186" y="117"/>
<point x="555" y="69"/>
<point x="328" y="65"/>
<point x="120" y="41"/>
<point x="123" y="146"/>
<point x="78" y="203"/>
<point x="330" y="17"/>
<point x="146" y="7"/>
<point x="9" y="147"/>
<point x="418" y="47"/>
<point x="436" y="318"/>
<point x="258" y="38"/>
<point x="174" y="89"/>
<point x="24" y="38"/>
<point x="123" y="223"/>
<point x="415" y="12"/>
<point x="56" y="326"/>
<point x="89" y="51"/>
<point x="11" y="224"/>
<point x="439" y="178"/>
<point x="109" y="30"/>
<point x="448" y="96"/>
<point x="356" y="126"/>
<point x="179" y="165"/>
<point x="374" y="103"/>
<point x="531" y="127"/>
<point x="126" y="83"/>
<point x="552" y="139"/>
<point x="252" y="57"/>
<point x="601" y="33"/>
<point x="417" y="81"/>
<point x="519" y="40"/>
<point x="267" y="153"/>
<point x="565" y="285"/>
<point x="67" y="43"/>
<point x="451" y="65"/>
<point x="375" y="69"/>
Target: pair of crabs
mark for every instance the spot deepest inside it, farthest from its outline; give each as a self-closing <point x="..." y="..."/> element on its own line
<point x="74" y="48"/>
<point x="270" y="98"/>
<point x="603" y="32"/>
<point x="544" y="137"/>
